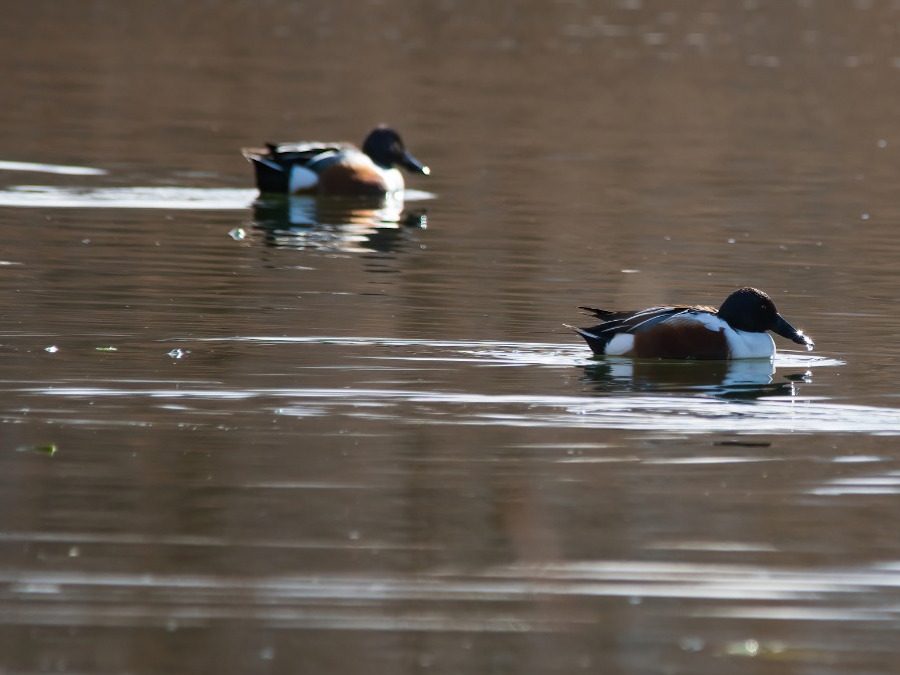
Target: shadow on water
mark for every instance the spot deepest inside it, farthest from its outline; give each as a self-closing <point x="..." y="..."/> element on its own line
<point x="337" y="223"/>
<point x="745" y="379"/>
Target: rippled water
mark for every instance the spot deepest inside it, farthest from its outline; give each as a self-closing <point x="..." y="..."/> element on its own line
<point x="355" y="436"/>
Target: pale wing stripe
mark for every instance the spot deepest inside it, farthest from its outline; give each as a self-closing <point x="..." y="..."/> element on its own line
<point x="638" y="325"/>
<point x="652" y="310"/>
<point x="614" y="326"/>
<point x="269" y="163"/>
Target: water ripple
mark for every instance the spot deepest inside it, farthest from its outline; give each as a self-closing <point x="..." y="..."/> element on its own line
<point x="200" y="199"/>
<point x="60" y="169"/>
<point x="492" y="599"/>
<point x="491" y="352"/>
<point x="683" y="414"/>
<point x="682" y="397"/>
<point x="166" y="197"/>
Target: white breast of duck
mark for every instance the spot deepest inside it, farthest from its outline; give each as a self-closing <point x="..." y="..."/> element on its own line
<point x="740" y="344"/>
<point x="304" y="178"/>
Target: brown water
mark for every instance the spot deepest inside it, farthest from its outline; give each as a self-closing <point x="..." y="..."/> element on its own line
<point x="320" y="437"/>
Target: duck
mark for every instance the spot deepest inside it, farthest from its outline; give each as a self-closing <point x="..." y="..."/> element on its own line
<point x="738" y="329"/>
<point x="312" y="167"/>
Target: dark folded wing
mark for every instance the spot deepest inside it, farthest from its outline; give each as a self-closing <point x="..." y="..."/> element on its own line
<point x="632" y="322"/>
<point x="303" y="151"/>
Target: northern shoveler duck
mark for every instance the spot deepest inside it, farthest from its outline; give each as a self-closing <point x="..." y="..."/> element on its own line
<point x="737" y="330"/>
<point x="335" y="168"/>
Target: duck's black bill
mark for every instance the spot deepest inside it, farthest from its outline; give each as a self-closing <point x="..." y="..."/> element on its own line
<point x="784" y="329"/>
<point x="407" y="161"/>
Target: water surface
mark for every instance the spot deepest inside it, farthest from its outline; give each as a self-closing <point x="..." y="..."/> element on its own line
<point x="242" y="435"/>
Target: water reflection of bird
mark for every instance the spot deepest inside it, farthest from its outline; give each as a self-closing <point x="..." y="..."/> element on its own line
<point x="311" y="167"/>
<point x="734" y="379"/>
<point x="737" y="330"/>
<point x="376" y="223"/>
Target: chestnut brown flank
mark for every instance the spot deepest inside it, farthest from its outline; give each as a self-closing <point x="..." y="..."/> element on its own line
<point x="347" y="177"/>
<point x="680" y="340"/>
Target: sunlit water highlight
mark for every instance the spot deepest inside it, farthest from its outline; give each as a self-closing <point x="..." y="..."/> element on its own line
<point x="684" y="397"/>
<point x="509" y="505"/>
<point x="201" y="199"/>
<point x="491" y="599"/>
<point x="174" y="197"/>
<point x="496" y="352"/>
<point x="684" y="414"/>
<point x="60" y="169"/>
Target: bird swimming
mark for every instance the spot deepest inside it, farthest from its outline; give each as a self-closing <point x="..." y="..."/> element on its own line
<point x="312" y="167"/>
<point x="737" y="330"/>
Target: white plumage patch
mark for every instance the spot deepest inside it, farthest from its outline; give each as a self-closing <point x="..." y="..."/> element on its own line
<point x="301" y="179"/>
<point x="393" y="180"/>
<point x="710" y="321"/>
<point x="744" y="345"/>
<point x="621" y="343"/>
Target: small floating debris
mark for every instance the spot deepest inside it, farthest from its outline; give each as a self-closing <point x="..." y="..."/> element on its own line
<point x="692" y="644"/>
<point x="753" y="648"/>
<point x="106" y="349"/>
<point x="742" y="648"/>
<point x="43" y="449"/>
<point x="52" y="349"/>
<point x="238" y="234"/>
<point x="178" y="353"/>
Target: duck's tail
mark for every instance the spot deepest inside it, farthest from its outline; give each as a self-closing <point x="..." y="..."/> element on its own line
<point x="602" y="314"/>
<point x="271" y="176"/>
<point x="597" y="342"/>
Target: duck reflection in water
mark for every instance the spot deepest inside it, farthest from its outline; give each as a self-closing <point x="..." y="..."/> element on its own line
<point x="346" y="224"/>
<point x="736" y="379"/>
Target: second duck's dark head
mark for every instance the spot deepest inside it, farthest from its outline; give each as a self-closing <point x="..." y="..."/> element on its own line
<point x="386" y="149"/>
<point x="751" y="310"/>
